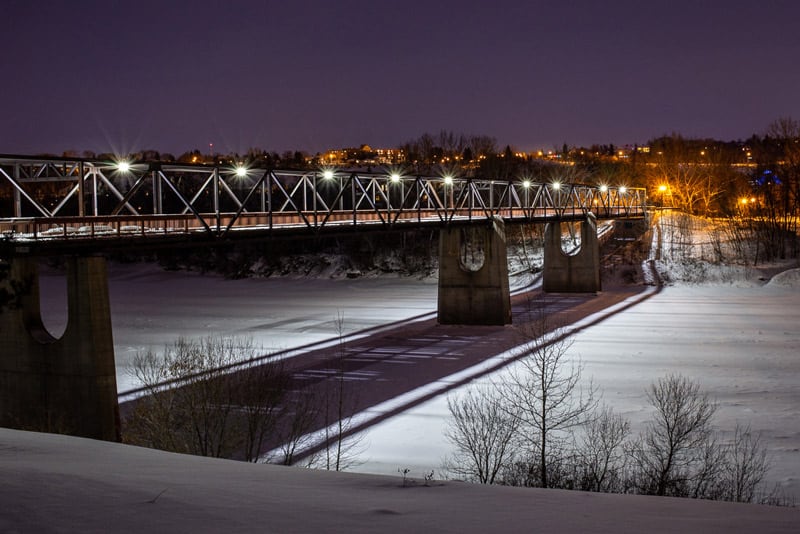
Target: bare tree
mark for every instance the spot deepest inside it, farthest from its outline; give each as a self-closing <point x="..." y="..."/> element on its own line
<point x="693" y="180"/>
<point x="744" y="468"/>
<point x="667" y="455"/>
<point x="484" y="435"/>
<point x="601" y="455"/>
<point x="337" y="405"/>
<point x="260" y="391"/>
<point x="299" y="414"/>
<point x="544" y="392"/>
<point x="775" y="186"/>
<point x="197" y="403"/>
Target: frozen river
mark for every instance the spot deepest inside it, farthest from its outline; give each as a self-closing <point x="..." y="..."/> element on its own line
<point x="741" y="343"/>
<point x="151" y="308"/>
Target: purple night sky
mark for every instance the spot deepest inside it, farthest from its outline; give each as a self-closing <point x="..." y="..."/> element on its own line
<point x="310" y="75"/>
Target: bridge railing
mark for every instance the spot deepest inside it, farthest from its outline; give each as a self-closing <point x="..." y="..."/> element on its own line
<point x="61" y="199"/>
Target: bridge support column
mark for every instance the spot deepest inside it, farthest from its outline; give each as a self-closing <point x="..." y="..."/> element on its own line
<point x="473" y="275"/>
<point x="65" y="385"/>
<point x="572" y="273"/>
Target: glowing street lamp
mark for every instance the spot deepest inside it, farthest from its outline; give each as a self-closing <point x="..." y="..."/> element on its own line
<point x="526" y="185"/>
<point x="123" y="166"/>
<point x="448" y="180"/>
<point x="327" y="174"/>
<point x="662" y="190"/>
<point x="241" y="171"/>
<point x="395" y="178"/>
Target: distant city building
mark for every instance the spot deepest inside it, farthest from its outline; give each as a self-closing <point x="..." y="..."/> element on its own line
<point x="364" y="155"/>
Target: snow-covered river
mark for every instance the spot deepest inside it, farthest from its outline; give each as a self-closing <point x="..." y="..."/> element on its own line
<point x="741" y="343"/>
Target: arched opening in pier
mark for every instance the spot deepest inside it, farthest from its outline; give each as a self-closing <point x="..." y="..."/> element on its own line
<point x="53" y="302"/>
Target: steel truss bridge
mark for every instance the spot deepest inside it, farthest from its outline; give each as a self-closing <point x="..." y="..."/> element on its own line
<point x="52" y="202"/>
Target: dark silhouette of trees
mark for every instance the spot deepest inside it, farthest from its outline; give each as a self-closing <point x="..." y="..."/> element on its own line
<point x="197" y="404"/>
<point x="447" y="147"/>
<point x="775" y="187"/>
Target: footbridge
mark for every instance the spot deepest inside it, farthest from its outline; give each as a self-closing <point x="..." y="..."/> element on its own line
<point x="81" y="208"/>
<point x="56" y="203"/>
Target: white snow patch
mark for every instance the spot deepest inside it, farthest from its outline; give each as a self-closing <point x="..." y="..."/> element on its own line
<point x="786" y="279"/>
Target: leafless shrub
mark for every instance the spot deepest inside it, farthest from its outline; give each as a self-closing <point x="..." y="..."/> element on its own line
<point x="543" y="391"/>
<point x="299" y="415"/>
<point x="667" y="454"/>
<point x="335" y="403"/>
<point x="483" y="433"/>
<point x="601" y="456"/>
<point x="197" y="404"/>
<point x="744" y="466"/>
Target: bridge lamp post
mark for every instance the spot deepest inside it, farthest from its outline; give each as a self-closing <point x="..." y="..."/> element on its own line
<point x="556" y="186"/>
<point x="327" y="175"/>
<point x="603" y="195"/>
<point x="621" y="190"/>
<point x="122" y="167"/>
<point x="526" y="186"/>
<point x="395" y="178"/>
<point x="448" y="190"/>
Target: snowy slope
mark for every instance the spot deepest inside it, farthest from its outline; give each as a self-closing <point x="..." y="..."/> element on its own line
<point x="64" y="484"/>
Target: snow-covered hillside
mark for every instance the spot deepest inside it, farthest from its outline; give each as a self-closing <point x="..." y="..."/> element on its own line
<point x="64" y="484"/>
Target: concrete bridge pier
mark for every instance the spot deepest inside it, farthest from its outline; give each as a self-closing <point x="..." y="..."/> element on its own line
<point x="572" y="273"/>
<point x="65" y="385"/>
<point x="473" y="275"/>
